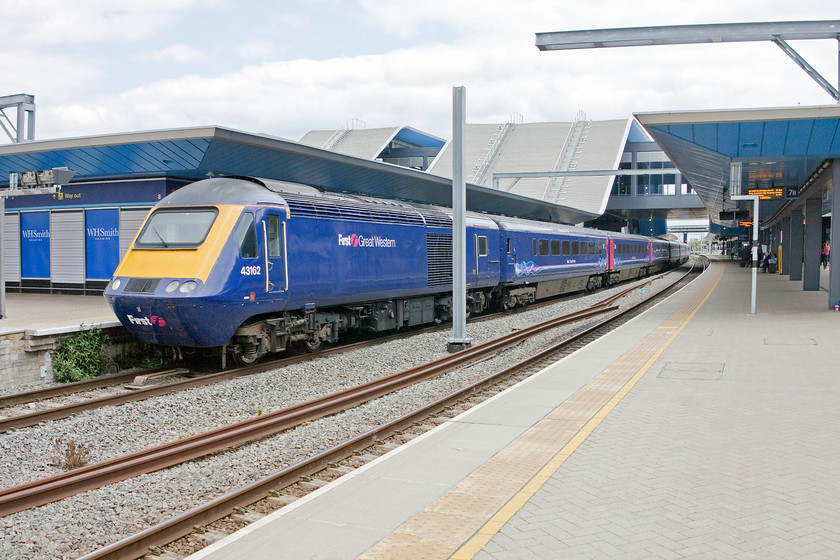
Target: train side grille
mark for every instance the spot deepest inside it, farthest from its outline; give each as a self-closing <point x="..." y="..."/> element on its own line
<point x="141" y="285"/>
<point x="439" y="258"/>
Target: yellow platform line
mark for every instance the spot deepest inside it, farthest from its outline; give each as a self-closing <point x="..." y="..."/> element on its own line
<point x="455" y="523"/>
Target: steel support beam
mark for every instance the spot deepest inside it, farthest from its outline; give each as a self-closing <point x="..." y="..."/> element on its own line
<point x="813" y="230"/>
<point x="834" y="270"/>
<point x="797" y="241"/>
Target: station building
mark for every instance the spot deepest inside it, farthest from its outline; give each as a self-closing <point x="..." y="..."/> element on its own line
<point x="678" y="166"/>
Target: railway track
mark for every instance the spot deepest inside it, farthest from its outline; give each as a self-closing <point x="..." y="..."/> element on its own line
<point x="120" y="468"/>
<point x="269" y="490"/>
<point x="120" y="395"/>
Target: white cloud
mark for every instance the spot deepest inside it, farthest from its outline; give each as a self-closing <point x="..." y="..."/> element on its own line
<point x="53" y="22"/>
<point x="255" y="49"/>
<point x="173" y="53"/>
<point x="493" y="55"/>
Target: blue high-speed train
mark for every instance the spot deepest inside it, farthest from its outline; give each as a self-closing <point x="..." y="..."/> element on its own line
<point x="251" y="266"/>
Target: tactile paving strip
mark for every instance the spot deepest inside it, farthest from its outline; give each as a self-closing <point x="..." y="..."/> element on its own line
<point x="505" y="483"/>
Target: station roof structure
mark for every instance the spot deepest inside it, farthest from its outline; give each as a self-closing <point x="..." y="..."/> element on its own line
<point x="545" y="146"/>
<point x="776" y="147"/>
<point x="201" y="152"/>
<point x="369" y="143"/>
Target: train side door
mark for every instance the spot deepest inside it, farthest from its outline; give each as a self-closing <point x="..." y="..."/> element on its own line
<point x="274" y="254"/>
<point x="483" y="268"/>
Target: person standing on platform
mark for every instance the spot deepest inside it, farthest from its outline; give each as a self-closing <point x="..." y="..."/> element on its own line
<point x="824" y="252"/>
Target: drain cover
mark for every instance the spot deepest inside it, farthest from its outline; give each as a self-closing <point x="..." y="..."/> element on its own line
<point x="679" y="370"/>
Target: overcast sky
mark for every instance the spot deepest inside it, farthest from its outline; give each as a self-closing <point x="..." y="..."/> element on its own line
<point x="286" y="67"/>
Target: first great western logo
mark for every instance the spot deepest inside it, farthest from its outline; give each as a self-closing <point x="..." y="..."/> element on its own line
<point x="375" y="241"/>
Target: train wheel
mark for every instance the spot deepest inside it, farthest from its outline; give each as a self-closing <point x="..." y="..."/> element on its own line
<point x="311" y="345"/>
<point x="246" y="354"/>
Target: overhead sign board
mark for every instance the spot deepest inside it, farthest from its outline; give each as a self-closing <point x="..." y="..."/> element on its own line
<point x="767" y="193"/>
<point x="791" y="193"/>
<point x="732" y="215"/>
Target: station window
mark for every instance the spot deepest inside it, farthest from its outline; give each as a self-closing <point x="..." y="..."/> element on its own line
<point x="543" y="247"/>
<point x="555" y="247"/>
<point x="246" y="236"/>
<point x="482" y="246"/>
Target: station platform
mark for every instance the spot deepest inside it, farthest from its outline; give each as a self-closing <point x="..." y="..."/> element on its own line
<point x="53" y="313"/>
<point x="696" y="430"/>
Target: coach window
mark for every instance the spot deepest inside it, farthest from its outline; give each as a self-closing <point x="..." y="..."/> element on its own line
<point x="575" y="247"/>
<point x="273" y="231"/>
<point x="555" y="247"/>
<point x="507" y="241"/>
<point x="543" y="247"/>
<point x="482" y="246"/>
<point x="246" y="236"/>
<point x="567" y="248"/>
<point x="584" y="248"/>
<point x="536" y="252"/>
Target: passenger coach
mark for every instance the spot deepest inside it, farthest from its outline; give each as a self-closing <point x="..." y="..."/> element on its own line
<point x="251" y="266"/>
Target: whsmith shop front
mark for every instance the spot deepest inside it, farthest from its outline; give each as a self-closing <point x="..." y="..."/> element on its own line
<point x="72" y="241"/>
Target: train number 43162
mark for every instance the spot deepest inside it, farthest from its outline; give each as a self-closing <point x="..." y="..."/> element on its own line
<point x="251" y="270"/>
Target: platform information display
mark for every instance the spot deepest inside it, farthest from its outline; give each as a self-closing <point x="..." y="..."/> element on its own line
<point x="767" y="193"/>
<point x="35" y="244"/>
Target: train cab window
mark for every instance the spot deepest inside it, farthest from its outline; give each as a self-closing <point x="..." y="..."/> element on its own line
<point x="482" y="246"/>
<point x="273" y="231"/>
<point x="507" y="242"/>
<point x="176" y="229"/>
<point x="575" y="247"/>
<point x="543" y="247"/>
<point x="555" y="247"/>
<point x="246" y="236"/>
<point x="567" y="248"/>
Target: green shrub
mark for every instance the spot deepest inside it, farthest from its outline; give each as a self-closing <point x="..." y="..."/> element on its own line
<point x="141" y="355"/>
<point x="81" y="356"/>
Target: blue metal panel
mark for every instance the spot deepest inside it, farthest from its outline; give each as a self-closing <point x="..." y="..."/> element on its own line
<point x="35" y="244"/>
<point x="684" y="131"/>
<point x="824" y="131"/>
<point x="417" y="138"/>
<point x="104" y="161"/>
<point x="728" y="140"/>
<point x="751" y="136"/>
<point x="774" y="137"/>
<point x="706" y="135"/>
<point x="798" y="137"/>
<point x="102" y="243"/>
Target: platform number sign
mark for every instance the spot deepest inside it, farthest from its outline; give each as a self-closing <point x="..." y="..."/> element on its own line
<point x="791" y="193"/>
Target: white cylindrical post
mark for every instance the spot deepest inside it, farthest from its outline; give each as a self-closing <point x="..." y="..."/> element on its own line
<point x="459" y="340"/>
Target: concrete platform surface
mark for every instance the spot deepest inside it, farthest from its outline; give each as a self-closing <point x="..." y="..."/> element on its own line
<point x="720" y="442"/>
<point x="52" y="313"/>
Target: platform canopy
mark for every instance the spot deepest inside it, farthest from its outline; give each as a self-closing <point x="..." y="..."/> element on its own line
<point x="780" y="147"/>
<point x="198" y="153"/>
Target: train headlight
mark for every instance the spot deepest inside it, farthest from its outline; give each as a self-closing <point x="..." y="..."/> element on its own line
<point x="115" y="285"/>
<point x="172" y="286"/>
<point x="188" y="286"/>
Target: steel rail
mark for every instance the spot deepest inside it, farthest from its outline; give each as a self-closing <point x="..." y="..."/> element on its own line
<point x="139" y="544"/>
<point x="86" y="478"/>
<point x="75" y="387"/>
<point x="59" y="412"/>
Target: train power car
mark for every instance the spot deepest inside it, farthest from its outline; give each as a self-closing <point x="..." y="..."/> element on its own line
<point x="252" y="266"/>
